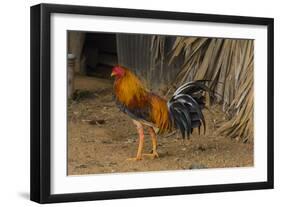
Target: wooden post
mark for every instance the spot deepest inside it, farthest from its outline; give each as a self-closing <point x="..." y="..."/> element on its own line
<point x="75" y="46"/>
<point x="70" y="74"/>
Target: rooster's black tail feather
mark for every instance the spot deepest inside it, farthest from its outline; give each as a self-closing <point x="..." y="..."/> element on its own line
<point x="185" y="107"/>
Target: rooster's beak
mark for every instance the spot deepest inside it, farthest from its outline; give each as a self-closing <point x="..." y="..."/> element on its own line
<point x="113" y="74"/>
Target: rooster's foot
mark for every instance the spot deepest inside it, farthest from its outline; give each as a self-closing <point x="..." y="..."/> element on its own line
<point x="152" y="155"/>
<point x="134" y="159"/>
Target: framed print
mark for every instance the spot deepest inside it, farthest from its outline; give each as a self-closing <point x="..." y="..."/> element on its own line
<point x="132" y="103"/>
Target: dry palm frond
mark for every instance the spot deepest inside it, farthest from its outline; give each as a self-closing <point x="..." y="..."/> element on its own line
<point x="228" y="63"/>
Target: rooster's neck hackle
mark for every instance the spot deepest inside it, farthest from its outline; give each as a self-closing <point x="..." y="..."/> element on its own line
<point x="128" y="88"/>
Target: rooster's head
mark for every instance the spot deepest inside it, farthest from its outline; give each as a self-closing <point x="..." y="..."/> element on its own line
<point x="118" y="71"/>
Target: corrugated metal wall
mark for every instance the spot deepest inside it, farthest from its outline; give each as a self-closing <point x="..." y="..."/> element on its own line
<point x="134" y="51"/>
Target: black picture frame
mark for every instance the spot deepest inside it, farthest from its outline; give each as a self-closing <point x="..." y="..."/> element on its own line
<point x="41" y="96"/>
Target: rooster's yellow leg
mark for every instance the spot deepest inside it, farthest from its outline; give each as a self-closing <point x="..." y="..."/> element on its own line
<point x="141" y="141"/>
<point x="154" y="153"/>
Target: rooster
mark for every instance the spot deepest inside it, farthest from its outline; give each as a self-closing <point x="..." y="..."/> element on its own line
<point x="183" y="111"/>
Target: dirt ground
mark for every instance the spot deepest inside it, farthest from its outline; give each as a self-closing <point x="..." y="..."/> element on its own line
<point x="101" y="138"/>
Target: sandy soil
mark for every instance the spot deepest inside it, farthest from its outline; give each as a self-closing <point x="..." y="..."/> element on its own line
<point x="101" y="138"/>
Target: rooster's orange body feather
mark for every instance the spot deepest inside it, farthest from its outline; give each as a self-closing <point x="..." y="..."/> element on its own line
<point x="141" y="104"/>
